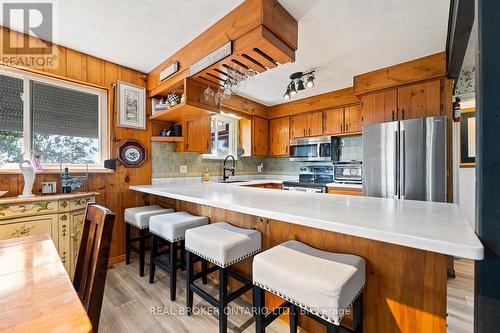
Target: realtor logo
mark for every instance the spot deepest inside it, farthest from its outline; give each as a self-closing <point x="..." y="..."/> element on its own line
<point x="28" y="41"/>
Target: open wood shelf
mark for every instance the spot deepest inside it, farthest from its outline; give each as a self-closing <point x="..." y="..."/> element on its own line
<point x="183" y="111"/>
<point x="167" y="138"/>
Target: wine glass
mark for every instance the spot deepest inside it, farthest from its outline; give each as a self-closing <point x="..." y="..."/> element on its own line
<point x="208" y="95"/>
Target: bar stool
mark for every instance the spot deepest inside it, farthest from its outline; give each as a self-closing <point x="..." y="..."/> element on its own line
<point x="322" y="285"/>
<point x="138" y="217"/>
<point x="169" y="230"/>
<point x="223" y="245"/>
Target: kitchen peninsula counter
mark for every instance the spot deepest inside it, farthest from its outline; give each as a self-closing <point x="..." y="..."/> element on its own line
<point x="406" y="244"/>
<point x="429" y="226"/>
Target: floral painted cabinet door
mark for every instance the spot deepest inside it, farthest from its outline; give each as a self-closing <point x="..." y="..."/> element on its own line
<point x="28" y="226"/>
<point x="77" y="220"/>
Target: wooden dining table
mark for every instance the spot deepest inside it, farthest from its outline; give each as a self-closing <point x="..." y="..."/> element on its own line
<point x="36" y="293"/>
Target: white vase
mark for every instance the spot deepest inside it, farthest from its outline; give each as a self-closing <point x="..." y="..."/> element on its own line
<point x="29" y="178"/>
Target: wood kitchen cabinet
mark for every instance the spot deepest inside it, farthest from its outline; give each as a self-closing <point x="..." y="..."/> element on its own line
<point x="379" y="107"/>
<point x="352" y="119"/>
<point x="342" y="120"/>
<point x="260" y="136"/>
<point x="310" y="124"/>
<point x="407" y="102"/>
<point x="334" y="121"/>
<point x="419" y="100"/>
<point x="198" y="135"/>
<point x="279" y="136"/>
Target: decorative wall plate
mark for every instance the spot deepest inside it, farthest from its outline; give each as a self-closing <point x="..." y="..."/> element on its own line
<point x="131" y="153"/>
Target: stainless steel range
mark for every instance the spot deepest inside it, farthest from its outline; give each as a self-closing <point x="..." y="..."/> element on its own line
<point x="311" y="179"/>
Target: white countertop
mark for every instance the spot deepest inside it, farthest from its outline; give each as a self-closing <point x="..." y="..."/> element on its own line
<point x="430" y="226"/>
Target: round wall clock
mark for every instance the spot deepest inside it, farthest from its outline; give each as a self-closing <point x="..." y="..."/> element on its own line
<point x="131" y="153"/>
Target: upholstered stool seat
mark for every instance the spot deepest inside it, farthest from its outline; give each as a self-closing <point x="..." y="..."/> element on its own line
<point x="324" y="284"/>
<point x="138" y="217"/>
<point x="222" y="243"/>
<point x="172" y="227"/>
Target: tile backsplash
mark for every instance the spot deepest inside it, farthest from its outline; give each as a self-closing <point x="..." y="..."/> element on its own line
<point x="352" y="148"/>
<point x="166" y="161"/>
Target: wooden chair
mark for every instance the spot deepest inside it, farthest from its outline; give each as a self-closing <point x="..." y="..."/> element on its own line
<point x="92" y="263"/>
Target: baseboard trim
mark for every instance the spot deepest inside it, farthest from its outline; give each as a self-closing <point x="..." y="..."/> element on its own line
<point x="115" y="260"/>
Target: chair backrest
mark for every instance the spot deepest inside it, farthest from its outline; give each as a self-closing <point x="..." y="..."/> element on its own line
<point x="92" y="262"/>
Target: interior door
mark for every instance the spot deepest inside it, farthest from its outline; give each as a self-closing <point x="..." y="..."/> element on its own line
<point x="380" y="160"/>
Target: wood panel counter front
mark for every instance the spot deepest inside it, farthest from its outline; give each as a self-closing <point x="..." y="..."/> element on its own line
<point x="405" y="287"/>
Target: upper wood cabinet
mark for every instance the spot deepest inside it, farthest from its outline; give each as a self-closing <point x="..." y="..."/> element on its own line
<point x="198" y="135"/>
<point x="260" y="136"/>
<point x="298" y="126"/>
<point x="379" y="107"/>
<point x="279" y="136"/>
<point x="305" y="125"/>
<point x="334" y="121"/>
<point x="419" y="100"/>
<point x="342" y="120"/>
<point x="407" y="102"/>
<point x="352" y="119"/>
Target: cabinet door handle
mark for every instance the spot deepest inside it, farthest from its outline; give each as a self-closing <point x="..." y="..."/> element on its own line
<point x="309" y="131"/>
<point x="403" y="113"/>
<point x="393" y="115"/>
<point x="286" y="148"/>
<point x="341" y="127"/>
<point x="304" y="131"/>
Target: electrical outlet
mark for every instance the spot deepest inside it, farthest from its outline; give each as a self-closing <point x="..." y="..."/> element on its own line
<point x="183" y="169"/>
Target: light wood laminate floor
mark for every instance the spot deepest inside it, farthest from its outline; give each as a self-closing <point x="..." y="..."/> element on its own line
<point x="133" y="305"/>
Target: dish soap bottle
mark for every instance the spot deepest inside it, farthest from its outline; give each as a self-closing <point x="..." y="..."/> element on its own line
<point x="206" y="176"/>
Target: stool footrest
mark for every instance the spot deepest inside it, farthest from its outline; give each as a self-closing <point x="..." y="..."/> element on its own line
<point x="238" y="292"/>
<point x="206" y="296"/>
<point x="268" y="319"/>
<point x="199" y="275"/>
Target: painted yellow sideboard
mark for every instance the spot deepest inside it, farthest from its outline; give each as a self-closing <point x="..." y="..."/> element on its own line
<point x="60" y="216"/>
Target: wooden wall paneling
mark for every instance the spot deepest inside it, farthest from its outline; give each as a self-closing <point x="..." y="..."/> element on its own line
<point x="95" y="70"/>
<point x="433" y="66"/>
<point x="76" y="65"/>
<point x="112" y="186"/>
<point x="330" y="100"/>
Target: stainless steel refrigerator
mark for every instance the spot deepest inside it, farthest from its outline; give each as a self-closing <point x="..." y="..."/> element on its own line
<point x="406" y="159"/>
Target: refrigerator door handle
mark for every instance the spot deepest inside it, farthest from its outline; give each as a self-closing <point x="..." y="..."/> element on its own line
<point x="396" y="166"/>
<point x="403" y="164"/>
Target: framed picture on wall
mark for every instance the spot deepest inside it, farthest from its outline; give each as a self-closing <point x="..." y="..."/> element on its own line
<point x="468" y="138"/>
<point x="131" y="105"/>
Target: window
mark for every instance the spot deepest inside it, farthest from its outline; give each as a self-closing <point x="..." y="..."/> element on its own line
<point x="223" y="136"/>
<point x="59" y="121"/>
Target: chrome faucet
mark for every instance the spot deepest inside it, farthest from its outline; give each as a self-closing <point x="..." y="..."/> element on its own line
<point x="231" y="169"/>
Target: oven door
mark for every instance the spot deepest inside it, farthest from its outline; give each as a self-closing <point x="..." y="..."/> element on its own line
<point x="311" y="149"/>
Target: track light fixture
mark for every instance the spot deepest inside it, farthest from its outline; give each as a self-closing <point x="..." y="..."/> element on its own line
<point x="297" y="83"/>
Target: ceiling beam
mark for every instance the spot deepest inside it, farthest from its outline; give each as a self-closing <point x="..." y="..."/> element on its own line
<point x="459" y="29"/>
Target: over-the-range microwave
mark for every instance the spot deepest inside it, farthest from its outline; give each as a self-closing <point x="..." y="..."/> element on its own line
<point x="313" y="149"/>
